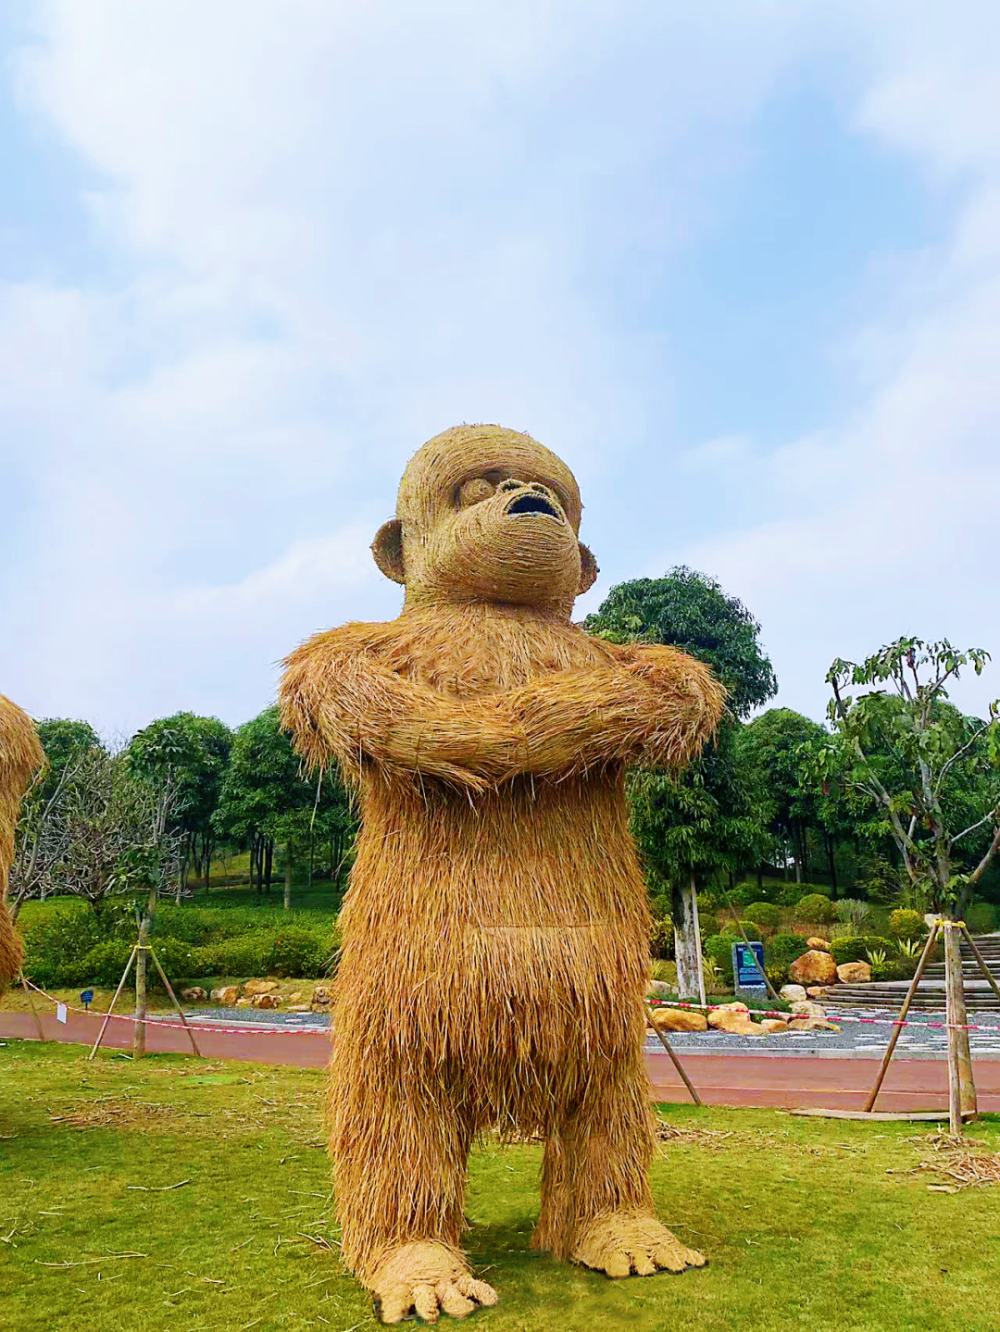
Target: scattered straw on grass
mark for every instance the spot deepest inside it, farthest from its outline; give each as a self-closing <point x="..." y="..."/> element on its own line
<point x="958" y="1163"/>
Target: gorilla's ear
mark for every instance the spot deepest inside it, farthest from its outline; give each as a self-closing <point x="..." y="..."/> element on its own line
<point x="588" y="570"/>
<point x="388" y="550"/>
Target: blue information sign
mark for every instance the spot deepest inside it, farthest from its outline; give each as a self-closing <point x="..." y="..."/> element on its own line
<point x="748" y="967"/>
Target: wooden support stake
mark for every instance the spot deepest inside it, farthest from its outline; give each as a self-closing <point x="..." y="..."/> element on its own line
<point x="961" y="1085"/>
<point x="673" y="1055"/>
<point x="107" y="1016"/>
<point x="910" y="994"/>
<point x="31" y="1004"/>
<point x="163" y="977"/>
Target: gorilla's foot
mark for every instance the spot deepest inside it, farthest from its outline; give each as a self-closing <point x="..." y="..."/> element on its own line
<point x="427" y="1277"/>
<point x="628" y="1242"/>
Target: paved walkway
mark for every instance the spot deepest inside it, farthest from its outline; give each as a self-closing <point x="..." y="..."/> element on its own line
<point x="790" y="1081"/>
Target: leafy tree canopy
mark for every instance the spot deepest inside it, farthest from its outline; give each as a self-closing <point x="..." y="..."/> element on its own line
<point x="690" y="610"/>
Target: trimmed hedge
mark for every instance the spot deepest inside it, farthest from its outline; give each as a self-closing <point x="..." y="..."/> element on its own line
<point x="815" y="909"/>
<point x="764" y="914"/>
<point x="856" y="948"/>
<point x="907" y="924"/>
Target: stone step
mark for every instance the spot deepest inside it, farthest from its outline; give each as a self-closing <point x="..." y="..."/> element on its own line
<point x="890" y="994"/>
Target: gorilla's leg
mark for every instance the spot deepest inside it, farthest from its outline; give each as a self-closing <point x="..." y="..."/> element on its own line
<point x="597" y="1208"/>
<point x="400" y="1154"/>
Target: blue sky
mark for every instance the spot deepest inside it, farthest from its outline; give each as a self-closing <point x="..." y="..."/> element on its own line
<point x="739" y="265"/>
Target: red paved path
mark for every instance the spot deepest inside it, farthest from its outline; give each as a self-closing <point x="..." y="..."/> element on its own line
<point x="790" y="1082"/>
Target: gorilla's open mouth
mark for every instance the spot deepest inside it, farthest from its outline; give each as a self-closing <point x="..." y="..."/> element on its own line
<point x="533" y="504"/>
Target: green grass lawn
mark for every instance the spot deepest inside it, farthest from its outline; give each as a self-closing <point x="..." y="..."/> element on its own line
<point x="216" y="1175"/>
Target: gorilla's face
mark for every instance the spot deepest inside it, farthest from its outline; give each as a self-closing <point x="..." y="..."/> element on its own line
<point x="487" y="518"/>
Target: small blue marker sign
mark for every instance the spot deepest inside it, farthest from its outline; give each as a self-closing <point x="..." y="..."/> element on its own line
<point x="86" y="998"/>
<point x="748" y="969"/>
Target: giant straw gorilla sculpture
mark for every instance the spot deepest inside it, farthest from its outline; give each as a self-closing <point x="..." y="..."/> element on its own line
<point x="20" y="755"/>
<point x="496" y="937"/>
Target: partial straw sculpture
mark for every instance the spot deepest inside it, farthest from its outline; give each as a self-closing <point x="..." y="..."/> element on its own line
<point x="20" y="755"/>
<point x="496" y="930"/>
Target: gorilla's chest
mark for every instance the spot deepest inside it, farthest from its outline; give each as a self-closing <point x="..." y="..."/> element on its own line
<point x="481" y="649"/>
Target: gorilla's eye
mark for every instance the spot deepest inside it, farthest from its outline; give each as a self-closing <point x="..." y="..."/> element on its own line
<point x="475" y="491"/>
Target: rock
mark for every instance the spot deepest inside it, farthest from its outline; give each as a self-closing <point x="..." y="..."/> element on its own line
<point x="322" y="995"/>
<point x="295" y="998"/>
<point x="806" y="1008"/>
<point x="243" y="1003"/>
<point x="194" y="994"/>
<point x="811" y="1024"/>
<point x="734" y="1018"/>
<point x="265" y="1001"/>
<point x="816" y="991"/>
<point x="260" y="987"/>
<point x="792" y="993"/>
<point x="773" y="1026"/>
<point x="679" y="1019"/>
<point x="662" y="989"/>
<point x="813" y="968"/>
<point x="227" y="996"/>
<point x="820" y="945"/>
<point x="301" y="1008"/>
<point x="854" y="973"/>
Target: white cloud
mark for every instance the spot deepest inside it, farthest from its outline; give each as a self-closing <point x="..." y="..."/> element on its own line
<point x="328" y="231"/>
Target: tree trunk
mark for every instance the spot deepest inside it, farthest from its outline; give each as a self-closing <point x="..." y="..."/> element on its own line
<point x="141" y="957"/>
<point x="288" y="876"/>
<point x="255" y="864"/>
<point x="687" y="943"/>
<point x="268" y="861"/>
<point x="833" y="862"/>
<point x="804" y="844"/>
<point x="312" y="857"/>
<point x="760" y="878"/>
<point x="182" y="876"/>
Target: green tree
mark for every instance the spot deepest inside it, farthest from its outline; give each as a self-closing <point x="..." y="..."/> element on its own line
<point x="265" y="801"/>
<point x="691" y="827"/>
<point x="768" y="754"/>
<point x="690" y="610"/>
<point x="193" y="752"/>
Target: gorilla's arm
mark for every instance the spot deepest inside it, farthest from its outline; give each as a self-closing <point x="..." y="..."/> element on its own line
<point x="341" y="703"/>
<point x="651" y="704"/>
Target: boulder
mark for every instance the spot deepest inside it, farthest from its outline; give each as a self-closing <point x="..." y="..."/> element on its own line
<point x="227" y="996"/>
<point x="322" y="995"/>
<point x="792" y="993"/>
<point x="661" y="989"/>
<point x="854" y="973"/>
<point x="265" y="1001"/>
<point x="296" y="997"/>
<point x="243" y="1003"/>
<point x="679" y="1019"/>
<point x="811" y="1024"/>
<point x="194" y="994"/>
<point x="820" y="945"/>
<point x="806" y="1008"/>
<point x="813" y="968"/>
<point x="773" y="1026"/>
<point x="734" y="1018"/>
<point x="816" y="992"/>
<point x="253" y="987"/>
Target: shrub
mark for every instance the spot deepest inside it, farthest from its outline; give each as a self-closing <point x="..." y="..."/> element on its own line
<point x="816" y="909"/>
<point x="661" y="938"/>
<point x="981" y="918"/>
<point x="907" y="924"/>
<point x="857" y="947"/>
<point x="751" y="928"/>
<point x="764" y="914"/>
<point x="102" y="965"/>
<point x="894" y="968"/>
<point x="779" y="954"/>
<point x="719" y="948"/>
<point x="296" y="952"/>
<point x="852" y="911"/>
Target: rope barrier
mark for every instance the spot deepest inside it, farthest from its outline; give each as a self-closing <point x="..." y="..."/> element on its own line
<point x="210" y="1025"/>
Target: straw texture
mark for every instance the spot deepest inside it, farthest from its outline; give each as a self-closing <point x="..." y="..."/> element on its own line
<point x="496" y="930"/>
<point x="20" y="755"/>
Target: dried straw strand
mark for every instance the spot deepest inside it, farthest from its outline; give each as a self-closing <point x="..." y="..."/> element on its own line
<point x="20" y="755"/>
